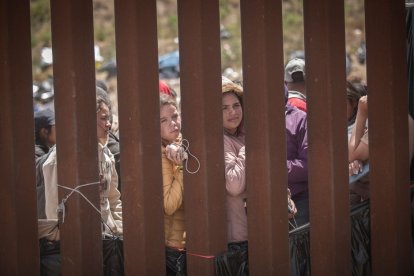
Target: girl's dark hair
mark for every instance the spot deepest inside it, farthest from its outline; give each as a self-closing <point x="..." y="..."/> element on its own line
<point x="355" y="90"/>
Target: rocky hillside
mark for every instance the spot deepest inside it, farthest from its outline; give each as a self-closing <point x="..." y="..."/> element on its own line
<point x="167" y="28"/>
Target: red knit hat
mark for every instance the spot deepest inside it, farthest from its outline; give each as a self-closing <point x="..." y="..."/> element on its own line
<point x="164" y="88"/>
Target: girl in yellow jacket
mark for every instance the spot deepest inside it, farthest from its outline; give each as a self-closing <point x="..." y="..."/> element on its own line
<point x="172" y="157"/>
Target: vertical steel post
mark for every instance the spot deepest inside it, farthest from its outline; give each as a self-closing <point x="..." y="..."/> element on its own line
<point x="262" y="41"/>
<point x="198" y="23"/>
<point x="388" y="112"/>
<point x="74" y="81"/>
<point x="327" y="162"/>
<point x="138" y="94"/>
<point x="19" y="253"/>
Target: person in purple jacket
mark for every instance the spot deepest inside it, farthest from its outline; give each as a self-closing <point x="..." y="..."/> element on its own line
<point x="297" y="160"/>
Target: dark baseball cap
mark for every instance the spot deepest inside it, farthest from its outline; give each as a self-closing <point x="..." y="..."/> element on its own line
<point x="44" y="118"/>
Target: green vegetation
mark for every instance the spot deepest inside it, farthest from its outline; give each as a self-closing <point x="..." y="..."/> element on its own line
<point x="40" y="13"/>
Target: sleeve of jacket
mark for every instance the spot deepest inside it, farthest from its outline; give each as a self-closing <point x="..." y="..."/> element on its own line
<point x="51" y="188"/>
<point x="114" y="196"/>
<point x="173" y="188"/>
<point x="298" y="167"/>
<point x="234" y="164"/>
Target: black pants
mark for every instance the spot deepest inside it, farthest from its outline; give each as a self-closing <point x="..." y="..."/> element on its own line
<point x="243" y="249"/>
<point x="234" y="261"/>
<point x="113" y="257"/>
<point x="176" y="261"/>
<point x="49" y="257"/>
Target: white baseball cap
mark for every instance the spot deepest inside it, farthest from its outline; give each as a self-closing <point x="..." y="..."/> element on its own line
<point x="293" y="66"/>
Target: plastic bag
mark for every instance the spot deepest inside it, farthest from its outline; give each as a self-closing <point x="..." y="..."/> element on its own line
<point x="299" y="250"/>
<point x="299" y="244"/>
<point x="361" y="239"/>
<point x="176" y="262"/>
<point x="49" y="257"/>
<point x="233" y="262"/>
<point x="50" y="265"/>
<point x="113" y="256"/>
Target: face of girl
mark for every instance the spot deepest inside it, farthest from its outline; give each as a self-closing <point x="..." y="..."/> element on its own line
<point x="103" y="124"/>
<point x="170" y="122"/>
<point x="232" y="112"/>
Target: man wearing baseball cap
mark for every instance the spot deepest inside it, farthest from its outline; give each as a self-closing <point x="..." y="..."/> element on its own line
<point x="295" y="81"/>
<point x="45" y="135"/>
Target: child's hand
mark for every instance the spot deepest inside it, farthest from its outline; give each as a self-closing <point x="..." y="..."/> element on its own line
<point x="292" y="209"/>
<point x="291" y="205"/>
<point x="176" y="153"/>
<point x="355" y="167"/>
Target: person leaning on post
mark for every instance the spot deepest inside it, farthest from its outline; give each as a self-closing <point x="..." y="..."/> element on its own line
<point x="358" y="151"/>
<point x="354" y="91"/>
<point x="110" y="203"/>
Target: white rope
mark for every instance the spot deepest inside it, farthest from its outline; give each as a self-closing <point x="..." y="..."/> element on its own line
<point x="61" y="206"/>
<point x="187" y="149"/>
<point x="295" y="225"/>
